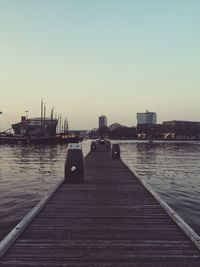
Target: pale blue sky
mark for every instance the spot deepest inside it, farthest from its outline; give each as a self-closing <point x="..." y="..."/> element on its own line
<point x="89" y="57"/>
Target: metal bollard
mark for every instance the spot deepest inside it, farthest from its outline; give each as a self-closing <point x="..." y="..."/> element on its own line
<point x="74" y="164"/>
<point x="102" y="141"/>
<point x="93" y="146"/>
<point x="108" y="145"/>
<point x="115" y="152"/>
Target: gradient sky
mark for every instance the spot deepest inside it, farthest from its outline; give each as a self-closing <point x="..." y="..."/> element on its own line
<point x="92" y="57"/>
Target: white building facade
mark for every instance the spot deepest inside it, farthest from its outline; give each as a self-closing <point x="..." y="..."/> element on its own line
<point x="146" y="118"/>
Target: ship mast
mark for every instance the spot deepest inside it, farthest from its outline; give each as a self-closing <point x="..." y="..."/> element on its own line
<point x="41" y="116"/>
<point x="52" y="113"/>
<point x="44" y="119"/>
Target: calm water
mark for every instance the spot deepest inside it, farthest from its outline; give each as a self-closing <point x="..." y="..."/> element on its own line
<point x="172" y="169"/>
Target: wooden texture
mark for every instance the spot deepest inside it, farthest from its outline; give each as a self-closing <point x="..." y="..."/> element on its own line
<point x="110" y="220"/>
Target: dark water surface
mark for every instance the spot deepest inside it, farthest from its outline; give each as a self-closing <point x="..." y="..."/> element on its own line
<point x="27" y="173"/>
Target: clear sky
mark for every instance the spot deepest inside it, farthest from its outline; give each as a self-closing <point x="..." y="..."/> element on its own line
<point x="92" y="57"/>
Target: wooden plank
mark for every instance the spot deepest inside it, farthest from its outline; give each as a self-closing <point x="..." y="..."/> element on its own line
<point x="23" y="263"/>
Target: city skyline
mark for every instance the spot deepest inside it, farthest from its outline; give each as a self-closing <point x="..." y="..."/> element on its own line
<point x="86" y="58"/>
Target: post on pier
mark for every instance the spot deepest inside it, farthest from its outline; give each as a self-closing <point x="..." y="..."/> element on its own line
<point x="74" y="164"/>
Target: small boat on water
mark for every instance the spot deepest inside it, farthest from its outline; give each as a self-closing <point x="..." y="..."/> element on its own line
<point x="28" y="140"/>
<point x="20" y="140"/>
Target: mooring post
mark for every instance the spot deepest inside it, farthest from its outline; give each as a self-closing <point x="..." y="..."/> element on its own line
<point x="102" y="141"/>
<point x="108" y="145"/>
<point x="74" y="164"/>
<point x="93" y="146"/>
<point x="115" y="152"/>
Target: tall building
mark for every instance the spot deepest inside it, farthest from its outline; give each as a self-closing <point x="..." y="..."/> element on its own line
<point x="146" y="118"/>
<point x="102" y="121"/>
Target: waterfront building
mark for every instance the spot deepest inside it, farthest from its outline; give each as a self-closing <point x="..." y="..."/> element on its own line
<point x="146" y="117"/>
<point x="36" y="126"/>
<point x="147" y="131"/>
<point x="102" y="121"/>
<point x="176" y="129"/>
<point x="123" y="132"/>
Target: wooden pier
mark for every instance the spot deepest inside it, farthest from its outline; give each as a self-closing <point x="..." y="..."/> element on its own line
<point x="109" y="220"/>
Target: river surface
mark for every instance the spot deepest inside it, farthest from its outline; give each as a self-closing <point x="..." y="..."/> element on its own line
<point x="172" y="169"/>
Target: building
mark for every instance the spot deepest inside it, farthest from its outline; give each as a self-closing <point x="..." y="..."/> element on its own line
<point x="35" y="127"/>
<point x="146" y="118"/>
<point x="102" y="121"/>
<point x="123" y="132"/>
<point x="148" y="131"/>
<point x="181" y="129"/>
